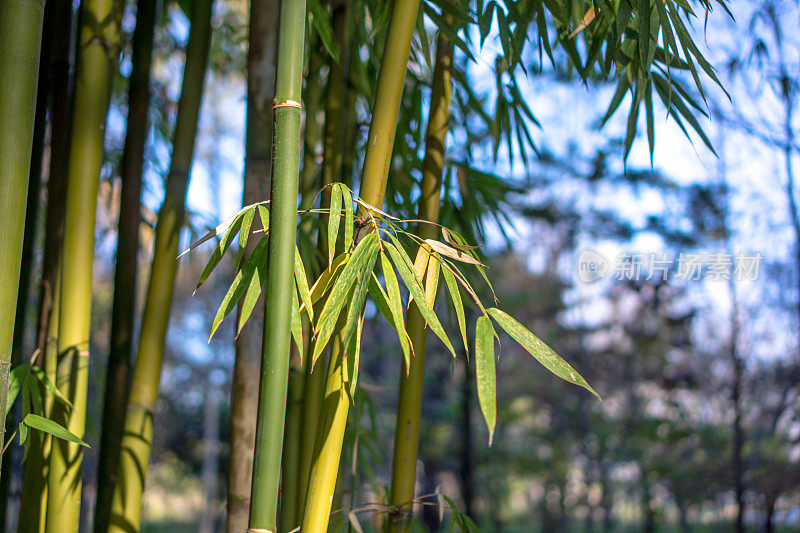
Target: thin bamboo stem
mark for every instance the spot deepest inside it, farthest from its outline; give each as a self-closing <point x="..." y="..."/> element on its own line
<point x="280" y="267"/>
<point x="257" y="169"/>
<point x="406" y="436"/>
<point x="20" y="34"/>
<point x="373" y="185"/>
<point x="124" y="306"/>
<point x="138" y="429"/>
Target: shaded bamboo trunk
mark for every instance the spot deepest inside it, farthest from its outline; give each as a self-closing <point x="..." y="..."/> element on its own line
<point x="257" y="169"/>
<point x="210" y="467"/>
<point x="33" y="503"/>
<point x="373" y="186"/>
<point x="20" y="34"/>
<point x="280" y="267"/>
<point x="96" y="59"/>
<point x="138" y="429"/>
<point x="12" y="459"/>
<point x="123" y="309"/>
<point x="406" y="435"/>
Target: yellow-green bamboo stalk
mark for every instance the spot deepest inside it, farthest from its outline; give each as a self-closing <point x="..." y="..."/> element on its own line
<point x="373" y="185"/>
<point x="263" y="36"/>
<point x="406" y="433"/>
<point x="96" y="59"/>
<point x="20" y="34"/>
<point x="138" y="432"/>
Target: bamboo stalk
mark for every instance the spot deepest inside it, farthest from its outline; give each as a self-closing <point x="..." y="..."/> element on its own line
<point x="124" y="305"/>
<point x="280" y="267"/>
<point x="373" y="185"/>
<point x="33" y="501"/>
<point x="20" y="34"/>
<point x="332" y="146"/>
<point x="257" y="169"/>
<point x="97" y="56"/>
<point x="138" y="429"/>
<point x="406" y="435"/>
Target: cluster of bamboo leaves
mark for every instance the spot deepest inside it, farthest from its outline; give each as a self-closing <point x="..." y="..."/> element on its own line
<point x="374" y="262"/>
<point x="29" y="382"/>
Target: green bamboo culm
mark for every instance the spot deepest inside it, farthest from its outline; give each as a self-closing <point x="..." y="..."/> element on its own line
<point x="96" y="60"/>
<point x="138" y="430"/>
<point x="406" y="434"/>
<point x="373" y="186"/>
<point x="261" y="57"/>
<point x="280" y="267"/>
<point x="124" y="307"/>
<point x="20" y="34"/>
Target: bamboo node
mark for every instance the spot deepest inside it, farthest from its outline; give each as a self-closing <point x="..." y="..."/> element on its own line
<point x="276" y="105"/>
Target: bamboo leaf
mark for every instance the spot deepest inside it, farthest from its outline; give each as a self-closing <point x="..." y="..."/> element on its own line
<point x="297" y="324"/>
<point x="351" y="516"/>
<point x="50" y="386"/>
<point x="432" y="281"/>
<point x="220" y="250"/>
<point x="349" y="219"/>
<point x="403" y="264"/>
<point x="302" y="283"/>
<point x="244" y="235"/>
<point x="396" y="306"/>
<point x="339" y="293"/>
<point x="324" y="280"/>
<point x="15" y="379"/>
<point x="485" y="372"/>
<point x="452" y="253"/>
<point x="221" y="227"/>
<point x="335" y="214"/>
<point x="240" y="283"/>
<point x="252" y="294"/>
<point x="32" y="387"/>
<point x="354" y="356"/>
<point x="356" y="306"/>
<point x="458" y="304"/>
<point x="48" y="426"/>
<point x="543" y="353"/>
<point x="321" y="22"/>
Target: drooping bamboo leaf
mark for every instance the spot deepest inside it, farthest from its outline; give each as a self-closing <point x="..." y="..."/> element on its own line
<point x="48" y="426"/>
<point x="324" y="280"/>
<point x="302" y="284"/>
<point x="485" y="372"/>
<point x="396" y="306"/>
<point x="349" y="218"/>
<point x="297" y="324"/>
<point x="50" y="386"/>
<point x="404" y="267"/>
<point x="539" y="350"/>
<point x="356" y="304"/>
<point x="32" y="387"/>
<point x="251" y="295"/>
<point x="458" y="304"/>
<point x="329" y="315"/>
<point x="321" y="22"/>
<point x="353" y="354"/>
<point x="15" y="380"/>
<point x="240" y="283"/>
<point x="244" y="235"/>
<point x="335" y="215"/>
<point x="221" y="228"/>
<point x="452" y="253"/>
<point x="432" y="281"/>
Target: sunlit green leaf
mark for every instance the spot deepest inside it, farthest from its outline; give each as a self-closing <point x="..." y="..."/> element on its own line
<point x="543" y="353"/>
<point x="485" y="372"/>
<point x="48" y="426"/>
